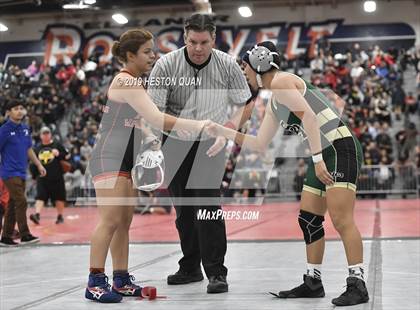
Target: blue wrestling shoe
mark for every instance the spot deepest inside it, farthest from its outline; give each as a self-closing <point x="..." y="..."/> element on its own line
<point x="124" y="286"/>
<point x="99" y="290"/>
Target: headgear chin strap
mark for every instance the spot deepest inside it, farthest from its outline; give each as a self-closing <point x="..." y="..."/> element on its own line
<point x="142" y="170"/>
<point x="259" y="81"/>
<point x="261" y="60"/>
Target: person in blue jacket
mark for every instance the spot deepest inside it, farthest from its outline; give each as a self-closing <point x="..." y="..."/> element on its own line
<point x="15" y="149"/>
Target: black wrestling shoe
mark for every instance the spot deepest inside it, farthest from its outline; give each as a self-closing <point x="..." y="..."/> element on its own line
<point x="356" y="293"/>
<point x="217" y="284"/>
<point x="184" y="277"/>
<point x="60" y="219"/>
<point x="310" y="288"/>
<point x="35" y="218"/>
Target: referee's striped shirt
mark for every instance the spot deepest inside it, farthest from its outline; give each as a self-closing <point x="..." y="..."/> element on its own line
<point x="198" y="91"/>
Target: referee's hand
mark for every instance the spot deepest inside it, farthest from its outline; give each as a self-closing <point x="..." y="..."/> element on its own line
<point x="218" y="145"/>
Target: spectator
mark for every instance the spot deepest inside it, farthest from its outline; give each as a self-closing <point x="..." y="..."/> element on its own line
<point x="381" y="110"/>
<point x="383" y="140"/>
<point x="384" y="176"/>
<point x="51" y="155"/>
<point x="407" y="139"/>
<point x="15" y="148"/>
<point x="32" y="70"/>
<point x="86" y="150"/>
<point x="374" y="153"/>
<point x="410" y="104"/>
<point x="317" y="64"/>
<point x="356" y="72"/>
<point x="398" y="100"/>
<point x="374" y="129"/>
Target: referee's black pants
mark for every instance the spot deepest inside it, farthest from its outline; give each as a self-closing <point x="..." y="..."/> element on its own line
<point x="195" y="186"/>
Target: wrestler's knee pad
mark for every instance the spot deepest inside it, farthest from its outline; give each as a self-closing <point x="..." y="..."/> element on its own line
<point x="311" y="225"/>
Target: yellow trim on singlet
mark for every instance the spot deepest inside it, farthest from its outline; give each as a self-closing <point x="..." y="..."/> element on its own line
<point x="314" y="191"/>
<point x="325" y="116"/>
<point x="347" y="185"/>
<point x="338" y="133"/>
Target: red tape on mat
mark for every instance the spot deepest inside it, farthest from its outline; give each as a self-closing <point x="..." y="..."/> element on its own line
<point x="150" y="293"/>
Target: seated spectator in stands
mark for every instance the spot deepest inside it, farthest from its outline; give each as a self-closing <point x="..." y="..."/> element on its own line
<point x="86" y="150"/>
<point x="330" y="78"/>
<point x="76" y="159"/>
<point x="62" y="75"/>
<point x="374" y="153"/>
<point x="382" y="113"/>
<point x="376" y="55"/>
<point x="411" y="104"/>
<point x="32" y="70"/>
<point x="367" y="158"/>
<point x="398" y="100"/>
<point x="358" y="114"/>
<point x="373" y="129"/>
<point x="386" y="158"/>
<point x="355" y="97"/>
<point x="383" y="140"/>
<point x="365" y="137"/>
<point x="317" y="64"/>
<point x="356" y="72"/>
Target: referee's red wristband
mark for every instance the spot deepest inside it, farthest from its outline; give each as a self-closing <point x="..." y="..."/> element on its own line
<point x="230" y="125"/>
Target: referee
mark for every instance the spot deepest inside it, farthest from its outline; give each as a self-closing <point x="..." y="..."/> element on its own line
<point x="204" y="81"/>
